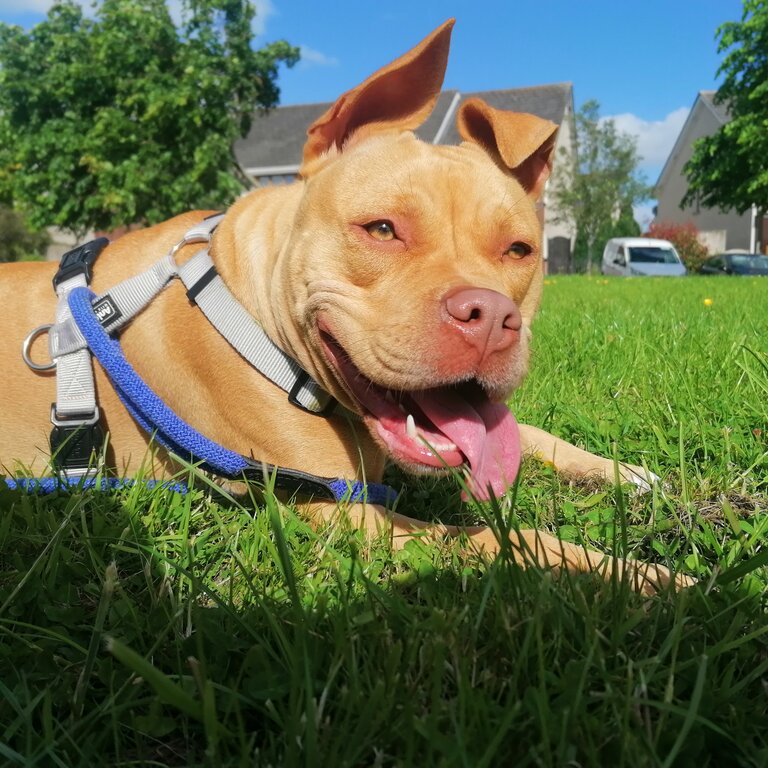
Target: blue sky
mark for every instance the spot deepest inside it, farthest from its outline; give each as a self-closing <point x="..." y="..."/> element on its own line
<point x="644" y="61"/>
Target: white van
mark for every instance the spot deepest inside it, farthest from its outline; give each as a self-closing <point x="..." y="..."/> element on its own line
<point x="641" y="256"/>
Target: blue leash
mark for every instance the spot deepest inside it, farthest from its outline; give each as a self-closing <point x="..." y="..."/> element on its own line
<point x="174" y="434"/>
<point x="45" y="485"/>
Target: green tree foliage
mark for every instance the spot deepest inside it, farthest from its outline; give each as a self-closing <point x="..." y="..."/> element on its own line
<point x="17" y="241"/>
<point x="125" y="118"/>
<point x="597" y="194"/>
<point x="685" y="238"/>
<point x="729" y="170"/>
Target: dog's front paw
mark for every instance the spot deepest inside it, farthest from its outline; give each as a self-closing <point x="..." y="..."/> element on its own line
<point x="651" y="578"/>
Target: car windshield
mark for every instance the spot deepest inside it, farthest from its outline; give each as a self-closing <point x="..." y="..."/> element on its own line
<point x="649" y="254"/>
<point x="749" y="261"/>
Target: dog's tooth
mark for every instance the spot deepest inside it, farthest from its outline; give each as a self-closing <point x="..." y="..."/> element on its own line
<point x="389" y="397"/>
<point x="410" y="426"/>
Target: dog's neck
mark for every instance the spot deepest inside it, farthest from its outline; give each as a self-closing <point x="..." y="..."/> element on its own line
<point x="230" y="402"/>
<point x="246" y="249"/>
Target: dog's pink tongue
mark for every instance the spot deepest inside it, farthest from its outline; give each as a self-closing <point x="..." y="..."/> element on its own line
<point x="485" y="432"/>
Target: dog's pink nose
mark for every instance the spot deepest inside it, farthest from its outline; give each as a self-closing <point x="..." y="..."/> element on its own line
<point x="487" y="319"/>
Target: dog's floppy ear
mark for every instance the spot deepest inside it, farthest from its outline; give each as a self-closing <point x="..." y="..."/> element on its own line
<point x="518" y="141"/>
<point x="400" y="95"/>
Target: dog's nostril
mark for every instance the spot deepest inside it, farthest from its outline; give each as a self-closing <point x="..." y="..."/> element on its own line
<point x="512" y="321"/>
<point x="474" y="314"/>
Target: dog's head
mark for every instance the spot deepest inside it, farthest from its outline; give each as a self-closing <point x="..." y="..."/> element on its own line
<point x="415" y="269"/>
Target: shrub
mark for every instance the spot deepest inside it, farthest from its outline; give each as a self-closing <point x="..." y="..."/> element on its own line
<point x="685" y="238"/>
<point x="17" y="241"/>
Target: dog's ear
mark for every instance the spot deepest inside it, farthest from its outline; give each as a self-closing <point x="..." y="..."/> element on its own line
<point x="520" y="142"/>
<point x="400" y="95"/>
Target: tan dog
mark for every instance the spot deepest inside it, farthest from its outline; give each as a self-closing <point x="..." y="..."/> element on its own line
<point x="403" y="277"/>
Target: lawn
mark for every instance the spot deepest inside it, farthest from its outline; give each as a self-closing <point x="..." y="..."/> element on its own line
<point x="146" y="627"/>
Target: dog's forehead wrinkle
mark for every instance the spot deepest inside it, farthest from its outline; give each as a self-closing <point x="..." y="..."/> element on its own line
<point x="487" y="204"/>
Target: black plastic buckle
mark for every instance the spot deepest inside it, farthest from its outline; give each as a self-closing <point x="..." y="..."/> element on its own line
<point x="79" y="261"/>
<point x="76" y="443"/>
<point x="293" y="395"/>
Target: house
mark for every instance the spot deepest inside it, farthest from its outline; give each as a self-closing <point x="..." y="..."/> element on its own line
<point x="719" y="230"/>
<point x="272" y="151"/>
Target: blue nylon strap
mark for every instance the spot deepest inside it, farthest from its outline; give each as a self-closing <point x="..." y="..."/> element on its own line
<point x="45" y="485"/>
<point x="141" y="401"/>
<point x="156" y="418"/>
<point x="343" y="490"/>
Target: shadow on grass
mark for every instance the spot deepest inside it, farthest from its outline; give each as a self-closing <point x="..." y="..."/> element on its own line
<point x="147" y="627"/>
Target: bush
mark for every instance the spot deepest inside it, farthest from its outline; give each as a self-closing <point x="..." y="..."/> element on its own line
<point x="17" y="241"/>
<point x="685" y="238"/>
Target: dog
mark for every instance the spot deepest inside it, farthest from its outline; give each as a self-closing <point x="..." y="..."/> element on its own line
<point x="402" y="277"/>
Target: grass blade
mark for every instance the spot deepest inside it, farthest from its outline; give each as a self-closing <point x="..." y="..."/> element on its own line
<point x="167" y="690"/>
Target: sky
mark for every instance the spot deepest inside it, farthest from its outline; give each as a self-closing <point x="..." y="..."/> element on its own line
<point x="644" y="61"/>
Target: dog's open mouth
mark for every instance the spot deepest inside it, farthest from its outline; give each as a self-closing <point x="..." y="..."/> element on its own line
<point x="441" y="427"/>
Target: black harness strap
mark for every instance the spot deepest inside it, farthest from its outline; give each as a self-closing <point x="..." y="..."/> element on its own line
<point x="74" y="442"/>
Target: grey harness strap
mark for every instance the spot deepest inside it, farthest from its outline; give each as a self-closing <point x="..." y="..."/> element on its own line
<point x="206" y="288"/>
<point x="75" y="390"/>
<point x="76" y="398"/>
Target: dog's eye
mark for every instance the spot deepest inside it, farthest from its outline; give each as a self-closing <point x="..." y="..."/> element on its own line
<point x="518" y="250"/>
<point x="381" y="230"/>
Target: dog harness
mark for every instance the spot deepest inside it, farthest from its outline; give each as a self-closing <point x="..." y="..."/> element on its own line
<point x="86" y="326"/>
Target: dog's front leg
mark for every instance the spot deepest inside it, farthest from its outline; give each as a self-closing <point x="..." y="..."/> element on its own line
<point x="569" y="460"/>
<point x="528" y="547"/>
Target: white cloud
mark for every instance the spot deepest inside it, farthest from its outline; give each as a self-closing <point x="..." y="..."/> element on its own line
<point x="655" y="138"/>
<point x="312" y="58"/>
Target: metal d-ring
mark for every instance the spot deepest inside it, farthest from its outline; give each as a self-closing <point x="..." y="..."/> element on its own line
<point x="25" y="347"/>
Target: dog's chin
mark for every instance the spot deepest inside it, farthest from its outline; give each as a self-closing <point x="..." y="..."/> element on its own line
<point x="435" y="429"/>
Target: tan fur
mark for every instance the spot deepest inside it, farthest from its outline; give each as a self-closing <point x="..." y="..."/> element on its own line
<point x="299" y="255"/>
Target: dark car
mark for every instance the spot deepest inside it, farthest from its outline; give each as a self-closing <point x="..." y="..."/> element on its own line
<point x="736" y="263"/>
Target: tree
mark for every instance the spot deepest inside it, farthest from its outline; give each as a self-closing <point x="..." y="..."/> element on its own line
<point x="597" y="193"/>
<point x="685" y="238"/>
<point x="623" y="226"/>
<point x="729" y="170"/>
<point x="17" y="242"/>
<point x="124" y="118"/>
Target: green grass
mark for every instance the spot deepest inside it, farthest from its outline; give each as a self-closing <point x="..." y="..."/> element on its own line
<point x="150" y="628"/>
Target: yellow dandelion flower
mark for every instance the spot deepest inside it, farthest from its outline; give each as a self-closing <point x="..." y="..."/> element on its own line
<point x="708" y="302"/>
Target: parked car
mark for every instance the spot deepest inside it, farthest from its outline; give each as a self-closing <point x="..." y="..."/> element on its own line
<point x="736" y="263"/>
<point x="641" y="256"/>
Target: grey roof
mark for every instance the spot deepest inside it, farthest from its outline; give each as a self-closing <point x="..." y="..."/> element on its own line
<point x="547" y="101"/>
<point x="719" y="110"/>
<point x="277" y="137"/>
<point x="707" y="100"/>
